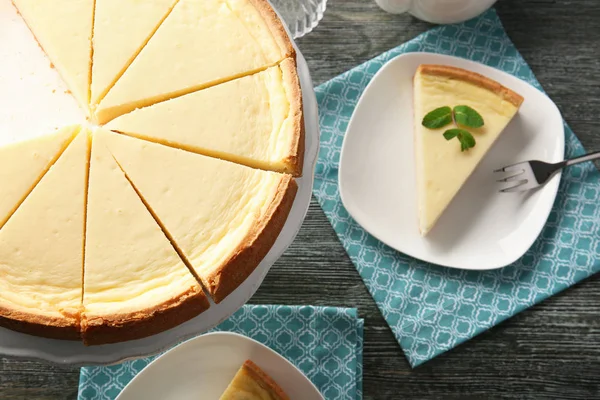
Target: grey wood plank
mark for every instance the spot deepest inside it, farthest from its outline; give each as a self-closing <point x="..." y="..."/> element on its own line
<point x="549" y="351"/>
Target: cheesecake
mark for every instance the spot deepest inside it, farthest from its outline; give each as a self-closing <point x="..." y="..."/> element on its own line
<point x="252" y="383"/>
<point x="135" y="283"/>
<point x="23" y="164"/>
<point x="255" y="120"/>
<point x="109" y="236"/>
<point x="63" y="28"/>
<point x="41" y="251"/>
<point x="121" y="29"/>
<point x="200" y="44"/>
<point x="442" y="165"/>
<point x="223" y="217"/>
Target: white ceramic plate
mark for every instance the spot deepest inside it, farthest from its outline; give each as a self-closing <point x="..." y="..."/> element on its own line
<point x="203" y="367"/>
<point x="482" y="228"/>
<point x="35" y="89"/>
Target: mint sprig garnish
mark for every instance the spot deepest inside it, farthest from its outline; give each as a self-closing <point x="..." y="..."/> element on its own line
<point x="466" y="116"/>
<point x="465" y="138"/>
<point x="460" y="116"/>
<point x="438" y="118"/>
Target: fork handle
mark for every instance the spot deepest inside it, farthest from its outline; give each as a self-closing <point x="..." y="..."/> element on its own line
<point x="588" y="157"/>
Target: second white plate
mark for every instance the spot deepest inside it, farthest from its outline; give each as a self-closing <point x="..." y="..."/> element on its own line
<point x="203" y="367"/>
<point x="482" y="228"/>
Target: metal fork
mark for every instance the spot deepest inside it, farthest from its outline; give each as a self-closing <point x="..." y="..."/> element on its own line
<point x="530" y="174"/>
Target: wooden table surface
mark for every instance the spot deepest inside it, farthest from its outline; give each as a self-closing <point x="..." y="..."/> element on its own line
<point x="549" y="351"/>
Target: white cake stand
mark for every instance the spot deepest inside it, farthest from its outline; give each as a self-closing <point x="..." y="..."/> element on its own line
<point x="19" y="345"/>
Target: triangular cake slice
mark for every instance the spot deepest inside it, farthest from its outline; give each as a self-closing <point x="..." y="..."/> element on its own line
<point x="442" y="168"/>
<point x="121" y="29"/>
<point x="200" y="44"/>
<point x="64" y="30"/>
<point x="237" y="214"/>
<point x="135" y="283"/>
<point x="41" y="251"/>
<point x="23" y="164"/>
<point x="255" y="120"/>
<point x="252" y="383"/>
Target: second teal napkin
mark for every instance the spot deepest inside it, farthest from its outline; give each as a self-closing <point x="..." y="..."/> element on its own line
<point x="323" y="342"/>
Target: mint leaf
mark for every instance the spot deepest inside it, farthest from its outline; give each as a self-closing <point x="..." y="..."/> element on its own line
<point x="466" y="140"/>
<point x="466" y="116"/>
<point x="438" y="118"/>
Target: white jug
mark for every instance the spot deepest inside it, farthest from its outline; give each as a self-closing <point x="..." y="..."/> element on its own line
<point x="437" y="11"/>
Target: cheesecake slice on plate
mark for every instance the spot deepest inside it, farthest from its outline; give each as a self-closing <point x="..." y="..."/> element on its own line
<point x="41" y="251"/>
<point x="223" y="217"/>
<point x="255" y="120"/>
<point x="23" y="164"/>
<point x="135" y="283"/>
<point x="200" y="44"/>
<point x="121" y="29"/>
<point x="64" y="30"/>
<point x="252" y="383"/>
<point x="443" y="164"/>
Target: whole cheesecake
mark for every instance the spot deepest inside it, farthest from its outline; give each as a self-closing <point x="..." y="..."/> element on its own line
<point x="120" y="231"/>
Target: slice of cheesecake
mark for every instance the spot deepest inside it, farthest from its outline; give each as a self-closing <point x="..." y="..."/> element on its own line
<point x="41" y="251"/>
<point x="23" y="164"/>
<point x="121" y="29"/>
<point x="255" y="120"/>
<point x="135" y="283"/>
<point x="252" y="383"/>
<point x="64" y="30"/>
<point x="200" y="44"/>
<point x="442" y="167"/>
<point x="223" y="217"/>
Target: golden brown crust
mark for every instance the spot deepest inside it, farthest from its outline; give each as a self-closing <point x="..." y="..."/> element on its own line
<point x="143" y="323"/>
<point x="244" y="260"/>
<point x="473" y="78"/>
<point x="66" y="328"/>
<point x="291" y="83"/>
<point x="275" y="26"/>
<point x="265" y="381"/>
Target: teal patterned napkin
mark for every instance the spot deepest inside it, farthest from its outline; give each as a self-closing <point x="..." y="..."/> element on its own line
<point x="431" y="309"/>
<point x="324" y="342"/>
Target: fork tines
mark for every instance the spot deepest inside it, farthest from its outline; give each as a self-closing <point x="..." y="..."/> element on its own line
<point x="516" y="175"/>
